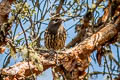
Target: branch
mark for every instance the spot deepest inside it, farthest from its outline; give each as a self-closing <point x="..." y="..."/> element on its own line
<point x="75" y="60"/>
<point x="59" y="7"/>
<point x="5" y="26"/>
<point x="80" y="35"/>
<point x="22" y="69"/>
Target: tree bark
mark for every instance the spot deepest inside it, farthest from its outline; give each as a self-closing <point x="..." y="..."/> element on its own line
<point x="72" y="61"/>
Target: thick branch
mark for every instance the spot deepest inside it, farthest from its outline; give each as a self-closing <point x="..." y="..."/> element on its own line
<point x="23" y="69"/>
<point x="76" y="58"/>
<point x="5" y="6"/>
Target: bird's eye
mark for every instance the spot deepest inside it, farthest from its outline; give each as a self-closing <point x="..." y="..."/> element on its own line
<point x="55" y="22"/>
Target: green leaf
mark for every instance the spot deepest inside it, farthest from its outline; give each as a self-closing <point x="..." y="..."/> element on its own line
<point x="18" y="41"/>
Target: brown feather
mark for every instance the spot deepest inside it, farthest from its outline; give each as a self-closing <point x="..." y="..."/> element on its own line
<point x="55" y="35"/>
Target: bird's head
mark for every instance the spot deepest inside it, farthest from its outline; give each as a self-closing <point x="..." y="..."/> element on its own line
<point x="57" y="21"/>
<point x="55" y="24"/>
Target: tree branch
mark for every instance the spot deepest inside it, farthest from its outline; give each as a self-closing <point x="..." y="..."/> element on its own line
<point x="73" y="61"/>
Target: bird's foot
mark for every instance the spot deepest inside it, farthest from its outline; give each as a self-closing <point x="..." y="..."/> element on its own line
<point x="52" y="52"/>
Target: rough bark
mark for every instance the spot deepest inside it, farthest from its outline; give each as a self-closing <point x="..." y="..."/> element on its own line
<point x="5" y="8"/>
<point x="72" y="61"/>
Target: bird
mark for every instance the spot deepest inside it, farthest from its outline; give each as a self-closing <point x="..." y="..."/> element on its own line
<point x="55" y="34"/>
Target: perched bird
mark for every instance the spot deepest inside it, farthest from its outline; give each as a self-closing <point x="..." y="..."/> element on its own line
<point x="55" y="34"/>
